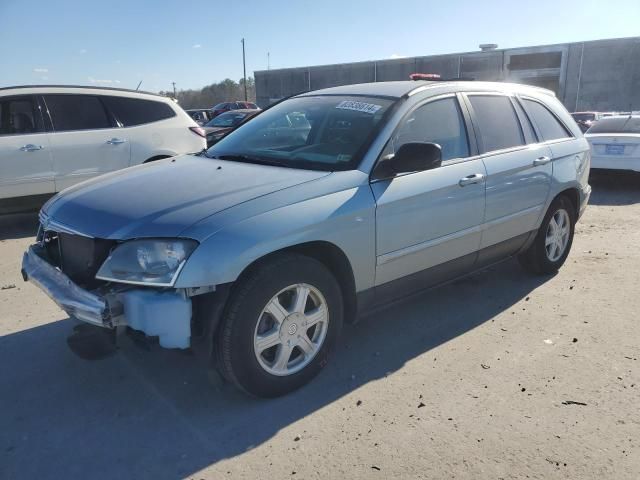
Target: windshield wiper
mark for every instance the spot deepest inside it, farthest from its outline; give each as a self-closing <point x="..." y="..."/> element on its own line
<point x="251" y="159"/>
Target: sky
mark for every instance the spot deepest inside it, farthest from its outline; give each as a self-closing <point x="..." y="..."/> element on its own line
<point x="195" y="43"/>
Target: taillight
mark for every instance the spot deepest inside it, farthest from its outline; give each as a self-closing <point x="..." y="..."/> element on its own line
<point x="198" y="131"/>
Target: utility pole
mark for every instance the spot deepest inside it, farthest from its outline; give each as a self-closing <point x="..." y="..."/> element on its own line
<point x="244" y="70"/>
<point x="174" y="89"/>
<point x="268" y="61"/>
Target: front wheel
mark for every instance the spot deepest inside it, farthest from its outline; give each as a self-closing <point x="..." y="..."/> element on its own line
<point x="280" y="325"/>
<point x="553" y="241"/>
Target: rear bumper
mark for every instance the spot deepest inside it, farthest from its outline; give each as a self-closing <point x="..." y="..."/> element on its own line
<point x="615" y="163"/>
<point x="77" y="302"/>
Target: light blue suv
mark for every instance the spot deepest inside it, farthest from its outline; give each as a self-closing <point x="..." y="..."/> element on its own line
<point x="260" y="247"/>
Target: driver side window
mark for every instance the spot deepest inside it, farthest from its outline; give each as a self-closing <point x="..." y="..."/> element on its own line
<point x="438" y="122"/>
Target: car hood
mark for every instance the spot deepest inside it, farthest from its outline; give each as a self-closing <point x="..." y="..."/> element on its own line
<point x="163" y="198"/>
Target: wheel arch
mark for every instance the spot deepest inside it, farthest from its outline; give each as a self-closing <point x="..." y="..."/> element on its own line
<point x="574" y="197"/>
<point x="209" y="308"/>
<point x="332" y="257"/>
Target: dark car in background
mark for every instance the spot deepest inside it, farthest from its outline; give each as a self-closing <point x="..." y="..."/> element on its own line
<point x="225" y="122"/>
<point x="200" y="115"/>
<point x="237" y="105"/>
<point x="586" y="119"/>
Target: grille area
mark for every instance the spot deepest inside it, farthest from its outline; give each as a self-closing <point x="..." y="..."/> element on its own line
<point x="78" y="257"/>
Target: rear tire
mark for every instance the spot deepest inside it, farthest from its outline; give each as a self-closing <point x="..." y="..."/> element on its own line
<point x="280" y="325"/>
<point x="552" y="244"/>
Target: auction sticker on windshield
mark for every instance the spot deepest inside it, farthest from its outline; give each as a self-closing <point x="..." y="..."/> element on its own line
<point x="359" y="106"/>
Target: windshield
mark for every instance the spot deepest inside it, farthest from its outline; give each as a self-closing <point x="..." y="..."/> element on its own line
<point x="229" y="119"/>
<point x="583" y="117"/>
<point x="616" y="125"/>
<point x="318" y="133"/>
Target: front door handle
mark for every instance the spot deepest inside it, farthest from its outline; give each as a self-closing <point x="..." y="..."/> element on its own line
<point x="541" y="161"/>
<point x="471" y="179"/>
<point x="115" y="141"/>
<point x="31" y="148"/>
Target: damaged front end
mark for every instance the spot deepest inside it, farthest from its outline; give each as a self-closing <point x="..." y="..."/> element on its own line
<point x="65" y="265"/>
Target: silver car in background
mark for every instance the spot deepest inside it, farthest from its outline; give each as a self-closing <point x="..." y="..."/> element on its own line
<point x="261" y="247"/>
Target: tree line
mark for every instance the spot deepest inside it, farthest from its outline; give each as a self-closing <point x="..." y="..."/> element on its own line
<point x="225" y="91"/>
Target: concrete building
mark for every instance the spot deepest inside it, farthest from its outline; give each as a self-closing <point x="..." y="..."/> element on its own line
<point x="602" y="75"/>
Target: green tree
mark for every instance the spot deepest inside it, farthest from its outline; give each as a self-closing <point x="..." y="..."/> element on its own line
<point x="225" y="91"/>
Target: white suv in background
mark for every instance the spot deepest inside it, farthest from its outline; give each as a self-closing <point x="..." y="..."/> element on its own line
<point x="54" y="137"/>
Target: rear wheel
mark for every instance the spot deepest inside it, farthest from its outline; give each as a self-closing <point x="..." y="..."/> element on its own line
<point x="280" y="325"/>
<point x="553" y="241"/>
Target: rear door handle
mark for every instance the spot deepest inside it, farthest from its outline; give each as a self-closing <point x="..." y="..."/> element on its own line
<point x="31" y="148"/>
<point x="541" y="161"/>
<point x="471" y="179"/>
<point x="115" y="141"/>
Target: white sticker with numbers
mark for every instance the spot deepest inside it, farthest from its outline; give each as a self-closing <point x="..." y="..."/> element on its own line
<point x="359" y="106"/>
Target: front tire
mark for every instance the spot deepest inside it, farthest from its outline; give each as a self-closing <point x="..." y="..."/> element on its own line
<point x="552" y="244"/>
<point x="280" y="325"/>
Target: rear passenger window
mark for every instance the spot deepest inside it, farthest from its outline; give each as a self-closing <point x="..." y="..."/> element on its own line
<point x="438" y="122"/>
<point x="548" y="125"/>
<point x="76" y="112"/>
<point x="136" y="111"/>
<point x="19" y="116"/>
<point x="499" y="127"/>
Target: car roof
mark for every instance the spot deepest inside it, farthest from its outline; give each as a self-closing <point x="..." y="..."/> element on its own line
<point x="398" y="89"/>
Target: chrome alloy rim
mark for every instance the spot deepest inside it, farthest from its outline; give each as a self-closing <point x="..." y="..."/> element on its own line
<point x="291" y="329"/>
<point x="557" y="237"/>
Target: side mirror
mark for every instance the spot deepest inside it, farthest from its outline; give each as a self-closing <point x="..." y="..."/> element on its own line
<point x="411" y="157"/>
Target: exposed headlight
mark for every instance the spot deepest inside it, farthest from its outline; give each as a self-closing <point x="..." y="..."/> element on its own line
<point x="147" y="262"/>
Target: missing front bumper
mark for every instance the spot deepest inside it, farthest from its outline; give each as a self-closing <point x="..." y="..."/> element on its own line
<point x="165" y="314"/>
<point x="77" y="302"/>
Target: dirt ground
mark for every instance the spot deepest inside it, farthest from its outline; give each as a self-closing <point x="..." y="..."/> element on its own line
<point x="499" y="376"/>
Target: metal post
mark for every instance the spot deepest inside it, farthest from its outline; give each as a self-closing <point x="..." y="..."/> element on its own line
<point x="579" y="78"/>
<point x="244" y="70"/>
<point x="174" y="89"/>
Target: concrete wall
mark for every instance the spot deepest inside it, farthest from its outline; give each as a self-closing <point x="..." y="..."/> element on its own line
<point x="599" y="75"/>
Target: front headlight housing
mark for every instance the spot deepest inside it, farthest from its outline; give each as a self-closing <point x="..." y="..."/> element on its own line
<point x="153" y="262"/>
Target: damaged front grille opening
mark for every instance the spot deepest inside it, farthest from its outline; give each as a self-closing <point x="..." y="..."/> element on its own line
<point x="76" y="256"/>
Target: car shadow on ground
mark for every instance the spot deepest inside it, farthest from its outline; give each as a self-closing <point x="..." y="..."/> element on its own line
<point x="614" y="188"/>
<point x="157" y="414"/>
<point x="18" y="225"/>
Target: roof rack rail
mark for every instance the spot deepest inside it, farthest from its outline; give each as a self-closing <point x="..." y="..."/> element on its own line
<point x="92" y="87"/>
<point x="435" y="77"/>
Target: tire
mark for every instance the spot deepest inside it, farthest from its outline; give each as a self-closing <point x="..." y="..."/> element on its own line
<point x="252" y="320"/>
<point x="541" y="258"/>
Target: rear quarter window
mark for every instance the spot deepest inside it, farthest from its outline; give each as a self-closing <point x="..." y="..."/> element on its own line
<point x="548" y="125"/>
<point x="137" y="111"/>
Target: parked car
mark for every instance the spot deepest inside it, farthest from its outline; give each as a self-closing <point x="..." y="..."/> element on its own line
<point x="261" y="248"/>
<point x="615" y="143"/>
<point x="54" y="137"/>
<point x="224" y="123"/>
<point x="586" y="119"/>
<point x="238" y="105"/>
<point x="200" y="115"/>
